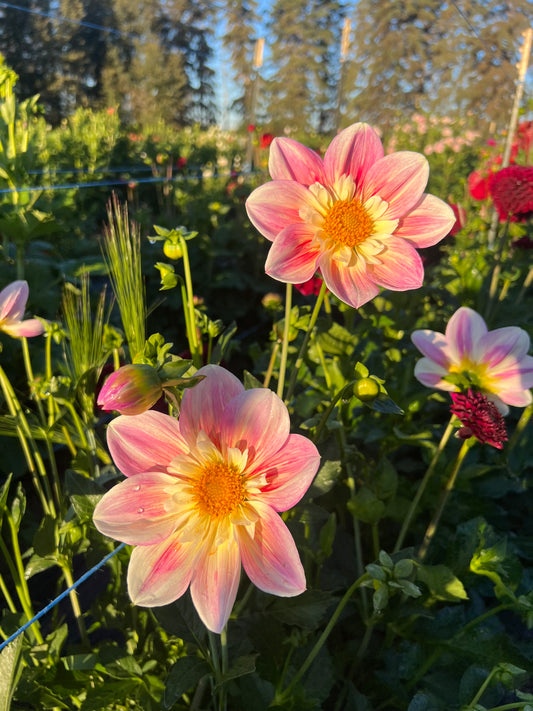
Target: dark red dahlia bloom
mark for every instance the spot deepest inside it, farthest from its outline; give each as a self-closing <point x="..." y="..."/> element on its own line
<point x="512" y="192"/>
<point x="312" y="286"/>
<point x="480" y="418"/>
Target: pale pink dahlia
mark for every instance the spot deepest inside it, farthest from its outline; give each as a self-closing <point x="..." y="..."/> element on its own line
<point x="12" y="307"/>
<point x="202" y="496"/>
<point x="357" y="216"/>
<point x="468" y="355"/>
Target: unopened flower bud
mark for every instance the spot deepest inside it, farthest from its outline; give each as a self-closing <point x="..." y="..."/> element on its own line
<point x="366" y="389"/>
<point x="131" y="389"/>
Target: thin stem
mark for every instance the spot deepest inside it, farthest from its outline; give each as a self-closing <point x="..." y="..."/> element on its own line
<point x="431" y="529"/>
<point x="5" y="592"/>
<point x="272" y="361"/>
<point x="285" y="341"/>
<point x="194" y="344"/>
<point x="496" y="270"/>
<point x="422" y="486"/>
<point x="73" y="595"/>
<point x="525" y="285"/>
<point x="482" y="688"/>
<point x="323" y="637"/>
<point x="520" y="426"/>
<point x="327" y="412"/>
<point x="299" y="359"/>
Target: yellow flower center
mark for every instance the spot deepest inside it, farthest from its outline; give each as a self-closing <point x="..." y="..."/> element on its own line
<point x="219" y="489"/>
<point x="348" y="223"/>
<point x="475" y="375"/>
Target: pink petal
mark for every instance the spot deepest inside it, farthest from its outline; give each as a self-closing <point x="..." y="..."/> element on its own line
<point x="13" y="300"/>
<point x="432" y="375"/>
<point x="289" y="473"/>
<point x="276" y="205"/>
<point x="257" y="420"/>
<point x="215" y="583"/>
<point x="290" y="160"/>
<point x="427" y="223"/>
<point x="139" y="510"/>
<point x="433" y="345"/>
<point x="517" y="398"/>
<point x="352" y="152"/>
<point x="23" y="329"/>
<point x="399" y="179"/>
<point x="141" y="443"/>
<point x="203" y="406"/>
<point x="514" y="376"/>
<point x="401" y="268"/>
<point x="353" y="285"/>
<point x="508" y="343"/>
<point x="160" y="574"/>
<point x="293" y="257"/>
<point x="269" y="557"/>
<point x="464" y="332"/>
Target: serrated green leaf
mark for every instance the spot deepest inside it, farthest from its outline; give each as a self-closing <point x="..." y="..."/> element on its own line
<point x="326" y="478"/>
<point x="441" y="583"/>
<point x="366" y="506"/>
<point x="10" y="669"/>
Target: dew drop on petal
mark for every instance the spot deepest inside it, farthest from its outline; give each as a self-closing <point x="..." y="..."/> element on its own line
<point x="140" y="510"/>
<point x="137" y="488"/>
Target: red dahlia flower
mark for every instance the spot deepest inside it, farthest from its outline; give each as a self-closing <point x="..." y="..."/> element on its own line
<point x="512" y="192"/>
<point x="480" y="418"/>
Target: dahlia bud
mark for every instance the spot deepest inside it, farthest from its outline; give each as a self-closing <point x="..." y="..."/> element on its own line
<point x="366" y="389"/>
<point x="131" y="389"/>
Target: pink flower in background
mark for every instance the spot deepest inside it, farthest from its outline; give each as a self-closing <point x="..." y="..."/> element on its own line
<point x="12" y="307"/>
<point x="202" y="496"/>
<point x="468" y="355"/>
<point x="357" y="216"/>
<point x="479" y="418"/>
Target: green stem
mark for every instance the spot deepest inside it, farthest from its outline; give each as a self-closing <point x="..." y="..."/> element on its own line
<point x="271" y="363"/>
<point x="24" y="435"/>
<point x="520" y="426"/>
<point x="194" y="344"/>
<point x="73" y="595"/>
<point x="56" y="485"/>
<point x="5" y="592"/>
<point x="431" y="529"/>
<point x="482" y="689"/>
<point x="496" y="270"/>
<point x="299" y="359"/>
<point x="327" y="412"/>
<point x="285" y="341"/>
<point x="422" y="486"/>
<point x="323" y="637"/>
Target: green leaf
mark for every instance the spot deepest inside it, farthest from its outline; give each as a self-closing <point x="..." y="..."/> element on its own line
<point x="45" y="539"/>
<point x="306" y="610"/>
<point x="441" y="583"/>
<point x="326" y="478"/>
<point x="241" y="667"/>
<point x="183" y="676"/>
<point x="84" y="505"/>
<point x="250" y="381"/>
<point x="366" y="506"/>
<point x="36" y="564"/>
<point x="223" y="344"/>
<point x="10" y="669"/>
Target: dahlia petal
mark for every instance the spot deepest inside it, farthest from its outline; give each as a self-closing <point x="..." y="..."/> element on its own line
<point x="432" y="375"/>
<point x="202" y="407"/>
<point x="513" y="375"/>
<point x="141" y="443"/>
<point x="13" y="300"/>
<point x="215" y="583"/>
<point x="502" y="344"/>
<point x="139" y="510"/>
<point x="399" y="179"/>
<point x="289" y="473"/>
<point x="433" y="345"/>
<point x="351" y="284"/>
<point x="463" y="332"/>
<point x="293" y="257"/>
<point x="256" y="420"/>
<point x="23" y="329"/>
<point x="270" y="557"/>
<point x="276" y="205"/>
<point x="517" y="398"/>
<point x="161" y="573"/>
<point x="290" y="160"/>
<point x="427" y="223"/>
<point x="401" y="267"/>
<point x="352" y="152"/>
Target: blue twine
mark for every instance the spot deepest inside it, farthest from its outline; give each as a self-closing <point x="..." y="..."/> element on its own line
<point x="106" y="183"/>
<point x="60" y="597"/>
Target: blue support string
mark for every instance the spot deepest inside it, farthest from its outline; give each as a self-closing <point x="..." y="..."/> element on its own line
<point x="60" y="597"/>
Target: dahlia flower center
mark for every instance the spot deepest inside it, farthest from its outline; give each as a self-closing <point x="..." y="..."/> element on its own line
<point x="219" y="489"/>
<point x="474" y="374"/>
<point x="348" y="223"/>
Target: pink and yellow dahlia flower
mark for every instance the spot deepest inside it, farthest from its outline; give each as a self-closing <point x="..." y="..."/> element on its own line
<point x="12" y="307"/>
<point x="469" y="356"/>
<point x="202" y="496"/>
<point x="357" y="216"/>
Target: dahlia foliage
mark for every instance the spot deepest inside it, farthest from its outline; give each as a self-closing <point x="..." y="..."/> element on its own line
<point x="203" y="493"/>
<point x="357" y="216"/>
